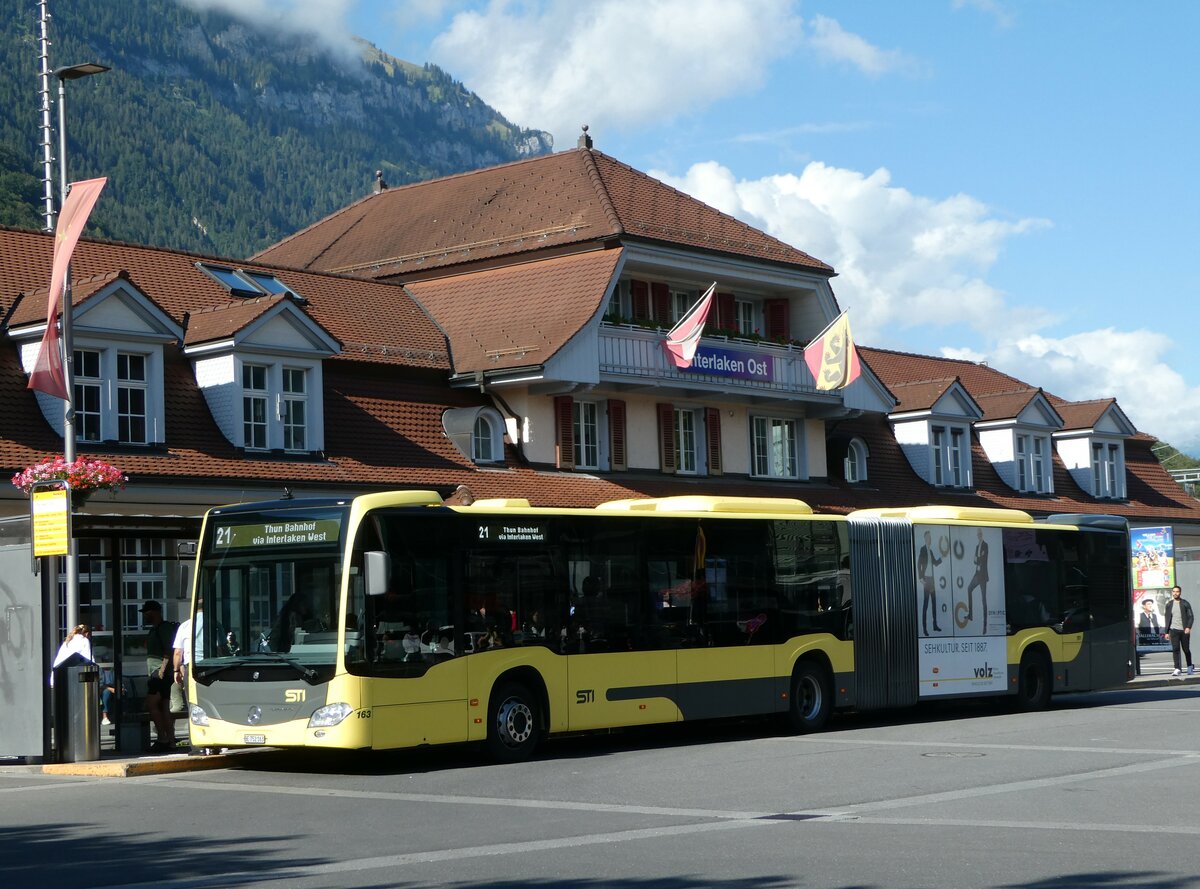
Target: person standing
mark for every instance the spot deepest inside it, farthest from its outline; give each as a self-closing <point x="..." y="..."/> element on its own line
<point x="159" y="651"/>
<point x="1178" y="624"/>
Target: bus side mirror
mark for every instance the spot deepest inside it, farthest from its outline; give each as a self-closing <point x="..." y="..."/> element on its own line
<point x="378" y="567"/>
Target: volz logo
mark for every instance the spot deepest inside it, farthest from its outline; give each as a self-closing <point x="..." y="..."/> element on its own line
<point x="984" y="672"/>
<point x="585" y="696"/>
<point x="293" y="696"/>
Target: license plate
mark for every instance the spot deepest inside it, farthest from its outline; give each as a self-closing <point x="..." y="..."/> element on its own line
<point x="254" y="739"/>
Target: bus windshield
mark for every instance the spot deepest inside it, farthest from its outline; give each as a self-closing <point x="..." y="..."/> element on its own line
<point x="268" y="587"/>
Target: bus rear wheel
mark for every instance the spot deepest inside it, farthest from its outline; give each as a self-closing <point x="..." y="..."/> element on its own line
<point x="812" y="698"/>
<point x="513" y="723"/>
<point x="1033" y="682"/>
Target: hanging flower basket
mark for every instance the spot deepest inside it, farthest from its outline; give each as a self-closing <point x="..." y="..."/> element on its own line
<point x="85" y="477"/>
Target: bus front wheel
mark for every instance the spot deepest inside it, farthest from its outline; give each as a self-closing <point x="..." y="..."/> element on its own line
<point x="1033" y="682"/>
<point x="513" y="723"/>
<point x="812" y="698"/>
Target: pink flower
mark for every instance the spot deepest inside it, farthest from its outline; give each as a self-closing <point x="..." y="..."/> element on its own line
<point x="82" y="475"/>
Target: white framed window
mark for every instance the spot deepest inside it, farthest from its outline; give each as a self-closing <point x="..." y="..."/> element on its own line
<point x="681" y="301"/>
<point x="774" y="447"/>
<point x="1029" y="457"/>
<point x="1108" y="471"/>
<point x="482" y="440"/>
<point x="587" y="435"/>
<point x="744" y="316"/>
<point x="855" y="466"/>
<point x="294" y="409"/>
<point x="951" y="453"/>
<point x="143" y="576"/>
<point x="618" y="303"/>
<point x="132" y="398"/>
<point x="686" y="442"/>
<point x="254" y="406"/>
<point x="88" y="390"/>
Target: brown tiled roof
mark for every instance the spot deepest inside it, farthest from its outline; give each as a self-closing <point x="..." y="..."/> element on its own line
<point x="918" y="396"/>
<point x="895" y="368"/>
<point x="221" y="322"/>
<point x="1006" y="405"/>
<point x="375" y="322"/>
<point x="554" y="201"/>
<point x="520" y="315"/>
<point x="1083" y="414"/>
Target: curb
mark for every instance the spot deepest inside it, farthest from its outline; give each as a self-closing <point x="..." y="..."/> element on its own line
<point x="159" y="765"/>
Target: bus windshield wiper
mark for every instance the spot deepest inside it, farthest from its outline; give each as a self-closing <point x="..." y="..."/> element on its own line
<point x="306" y="673"/>
<point x="206" y="672"/>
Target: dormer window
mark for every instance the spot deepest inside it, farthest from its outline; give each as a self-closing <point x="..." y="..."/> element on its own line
<point x="1108" y="471"/>
<point x="481" y="441"/>
<point x="114" y="395"/>
<point x="286" y="427"/>
<point x="1031" y="462"/>
<point x="950" y="457"/>
<point x="477" y="432"/>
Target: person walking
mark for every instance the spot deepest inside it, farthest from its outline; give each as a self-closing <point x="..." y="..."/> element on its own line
<point x="1178" y="624"/>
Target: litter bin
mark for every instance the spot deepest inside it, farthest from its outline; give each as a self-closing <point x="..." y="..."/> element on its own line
<point x="77" y="710"/>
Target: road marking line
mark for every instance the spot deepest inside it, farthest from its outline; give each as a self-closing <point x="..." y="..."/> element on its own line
<point x="1034" y="748"/>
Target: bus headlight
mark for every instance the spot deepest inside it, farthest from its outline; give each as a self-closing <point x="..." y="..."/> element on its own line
<point x="330" y="714"/>
<point x="198" y="716"/>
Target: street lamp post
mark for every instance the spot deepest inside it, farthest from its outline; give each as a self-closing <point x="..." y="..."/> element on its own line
<point x="69" y="72"/>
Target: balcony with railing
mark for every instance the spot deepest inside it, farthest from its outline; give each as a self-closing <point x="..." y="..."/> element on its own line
<point x="635" y="354"/>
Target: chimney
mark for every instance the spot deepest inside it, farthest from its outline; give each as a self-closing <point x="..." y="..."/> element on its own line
<point x="380" y="185"/>
<point x="585" y="141"/>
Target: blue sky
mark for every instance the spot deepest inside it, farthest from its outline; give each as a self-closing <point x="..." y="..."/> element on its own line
<point x="998" y="180"/>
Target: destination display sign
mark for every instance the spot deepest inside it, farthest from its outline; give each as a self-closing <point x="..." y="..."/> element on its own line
<point x="515" y="531"/>
<point x="736" y="364"/>
<point x="282" y="532"/>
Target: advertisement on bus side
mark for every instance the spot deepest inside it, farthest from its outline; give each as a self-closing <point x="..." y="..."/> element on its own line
<point x="961" y="614"/>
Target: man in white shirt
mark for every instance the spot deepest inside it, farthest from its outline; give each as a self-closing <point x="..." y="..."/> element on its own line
<point x="183" y="645"/>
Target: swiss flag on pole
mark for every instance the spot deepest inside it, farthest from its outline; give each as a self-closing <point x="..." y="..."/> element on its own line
<point x="832" y="357"/>
<point x="684" y="337"/>
<point x="47" y="375"/>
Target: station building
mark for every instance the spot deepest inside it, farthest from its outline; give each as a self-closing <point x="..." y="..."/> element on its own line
<point x="499" y="334"/>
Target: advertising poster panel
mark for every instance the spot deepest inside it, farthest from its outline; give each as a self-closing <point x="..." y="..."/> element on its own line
<point x="1152" y="557"/>
<point x="961" y="612"/>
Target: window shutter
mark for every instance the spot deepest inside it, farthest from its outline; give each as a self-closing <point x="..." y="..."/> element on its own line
<point x="564" y="431"/>
<point x="712" y="432"/>
<point x="726" y="311"/>
<point x="666" y="437"/>
<point x="662" y="303"/>
<point x="641" y="300"/>
<point x="616" y="434"/>
<point x="779" y="323"/>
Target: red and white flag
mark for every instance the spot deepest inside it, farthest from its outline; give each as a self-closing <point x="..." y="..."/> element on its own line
<point x="832" y="357"/>
<point x="684" y="337"/>
<point x="47" y="375"/>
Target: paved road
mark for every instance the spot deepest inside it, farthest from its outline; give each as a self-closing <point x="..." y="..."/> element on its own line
<point x="1102" y="790"/>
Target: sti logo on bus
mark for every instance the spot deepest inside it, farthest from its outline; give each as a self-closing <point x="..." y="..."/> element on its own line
<point x="293" y="696"/>
<point x="585" y="696"/>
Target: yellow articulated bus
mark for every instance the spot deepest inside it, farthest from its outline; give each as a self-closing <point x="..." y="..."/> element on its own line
<point x="392" y="620"/>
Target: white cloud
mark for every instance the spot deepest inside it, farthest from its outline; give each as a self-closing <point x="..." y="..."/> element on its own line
<point x="1000" y="12"/>
<point x="908" y="263"/>
<point x="323" y="19"/>
<point x="903" y="261"/>
<point x="1107" y="363"/>
<point x="614" y="63"/>
<point x="831" y="42"/>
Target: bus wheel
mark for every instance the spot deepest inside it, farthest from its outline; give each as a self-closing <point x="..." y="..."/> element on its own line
<point x="513" y="730"/>
<point x="812" y="698"/>
<point x="1033" y="682"/>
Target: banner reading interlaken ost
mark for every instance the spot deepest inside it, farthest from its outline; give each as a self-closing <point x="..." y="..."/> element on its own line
<point x="831" y="357"/>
